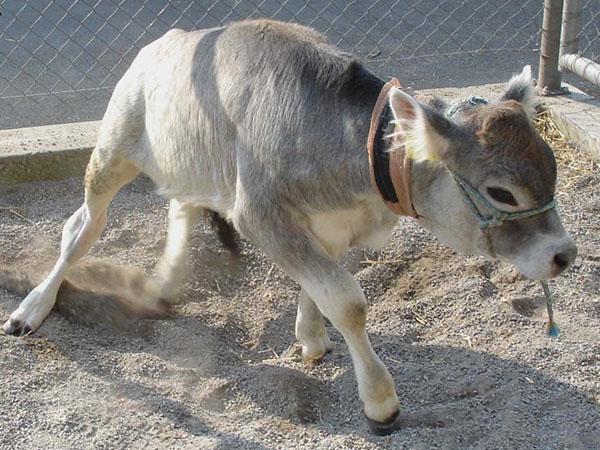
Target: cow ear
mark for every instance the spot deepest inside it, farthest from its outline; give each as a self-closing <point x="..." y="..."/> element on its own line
<point x="425" y="133"/>
<point x="520" y="88"/>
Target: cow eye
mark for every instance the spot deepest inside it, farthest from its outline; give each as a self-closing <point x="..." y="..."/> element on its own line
<point x="502" y="196"/>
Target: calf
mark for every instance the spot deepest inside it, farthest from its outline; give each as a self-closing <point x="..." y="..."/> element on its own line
<point x="267" y="124"/>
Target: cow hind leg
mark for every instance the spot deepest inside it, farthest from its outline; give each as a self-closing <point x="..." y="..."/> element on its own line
<point x="104" y="177"/>
<point x="172" y="268"/>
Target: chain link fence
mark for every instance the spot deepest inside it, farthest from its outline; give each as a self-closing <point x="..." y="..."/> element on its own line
<point x="580" y="40"/>
<point x="60" y="59"/>
<point x="589" y="36"/>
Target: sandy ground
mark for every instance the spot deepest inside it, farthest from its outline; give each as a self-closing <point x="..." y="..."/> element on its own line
<point x="463" y="338"/>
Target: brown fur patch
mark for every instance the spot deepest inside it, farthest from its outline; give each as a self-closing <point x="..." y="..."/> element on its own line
<point x="511" y="145"/>
<point x="506" y="124"/>
<point x="355" y="315"/>
<point x="102" y="177"/>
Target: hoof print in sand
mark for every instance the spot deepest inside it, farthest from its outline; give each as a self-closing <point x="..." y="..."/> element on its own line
<point x="531" y="307"/>
<point x="289" y="394"/>
<point x="421" y="419"/>
<point x="216" y="399"/>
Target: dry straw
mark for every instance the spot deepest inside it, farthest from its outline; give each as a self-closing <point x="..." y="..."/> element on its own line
<point x="574" y="163"/>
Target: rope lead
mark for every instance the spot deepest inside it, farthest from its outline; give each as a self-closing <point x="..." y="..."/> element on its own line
<point x="552" y="328"/>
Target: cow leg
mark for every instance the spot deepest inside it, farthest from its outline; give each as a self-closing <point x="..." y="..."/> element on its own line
<point x="341" y="300"/>
<point x="103" y="180"/>
<point x="172" y="269"/>
<point x="310" y="329"/>
<point x="336" y="294"/>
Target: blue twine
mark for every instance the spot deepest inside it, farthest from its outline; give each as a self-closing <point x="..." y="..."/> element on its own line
<point x="473" y="101"/>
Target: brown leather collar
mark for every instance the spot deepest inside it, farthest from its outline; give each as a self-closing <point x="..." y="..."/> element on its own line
<point x="390" y="171"/>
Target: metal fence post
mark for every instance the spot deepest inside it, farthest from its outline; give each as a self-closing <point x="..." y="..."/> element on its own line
<point x="570" y="60"/>
<point x="571" y="27"/>
<point x="549" y="76"/>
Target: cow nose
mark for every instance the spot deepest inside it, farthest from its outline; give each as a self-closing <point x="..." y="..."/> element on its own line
<point x="564" y="258"/>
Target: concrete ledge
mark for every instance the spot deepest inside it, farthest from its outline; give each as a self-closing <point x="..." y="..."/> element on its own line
<point x="46" y="153"/>
<point x="62" y="151"/>
<point x="578" y="117"/>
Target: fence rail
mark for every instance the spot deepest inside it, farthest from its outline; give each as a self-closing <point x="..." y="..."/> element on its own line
<point x="574" y="33"/>
<point x="570" y="42"/>
<point x="60" y="59"/>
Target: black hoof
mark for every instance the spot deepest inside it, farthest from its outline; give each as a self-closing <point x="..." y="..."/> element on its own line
<point x="17" y="328"/>
<point x="384" y="428"/>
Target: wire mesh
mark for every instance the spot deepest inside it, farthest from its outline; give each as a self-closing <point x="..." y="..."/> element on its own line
<point x="60" y="59"/>
<point x="589" y="37"/>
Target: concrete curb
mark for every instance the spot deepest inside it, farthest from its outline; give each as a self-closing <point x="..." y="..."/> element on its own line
<point x="61" y="151"/>
<point x="46" y="153"/>
<point x="578" y="117"/>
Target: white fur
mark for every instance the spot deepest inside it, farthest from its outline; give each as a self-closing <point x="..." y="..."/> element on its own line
<point x="413" y="130"/>
<point x="375" y="384"/>
<point x="173" y="268"/>
<point x="536" y="259"/>
<point x="525" y="80"/>
<point x="310" y="329"/>
<point x="368" y="225"/>
<point x="79" y="233"/>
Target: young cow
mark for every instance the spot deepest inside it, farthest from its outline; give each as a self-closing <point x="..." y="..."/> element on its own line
<point x="267" y="124"/>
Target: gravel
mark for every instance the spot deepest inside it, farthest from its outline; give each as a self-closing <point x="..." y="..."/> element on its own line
<point x="464" y="339"/>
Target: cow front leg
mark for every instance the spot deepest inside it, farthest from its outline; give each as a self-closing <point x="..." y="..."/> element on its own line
<point x="342" y="301"/>
<point x="337" y="295"/>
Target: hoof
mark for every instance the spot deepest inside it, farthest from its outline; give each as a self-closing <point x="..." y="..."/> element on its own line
<point x="384" y="428"/>
<point x="315" y="350"/>
<point x="315" y="359"/>
<point x="16" y="328"/>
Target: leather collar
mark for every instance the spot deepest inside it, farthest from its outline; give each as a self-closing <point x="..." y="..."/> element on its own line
<point x="390" y="171"/>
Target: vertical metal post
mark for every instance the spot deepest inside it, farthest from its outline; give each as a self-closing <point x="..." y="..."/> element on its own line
<point x="549" y="76"/>
<point x="569" y="60"/>
<point x="571" y="27"/>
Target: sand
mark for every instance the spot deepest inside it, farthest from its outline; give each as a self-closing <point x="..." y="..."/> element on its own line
<point x="464" y="339"/>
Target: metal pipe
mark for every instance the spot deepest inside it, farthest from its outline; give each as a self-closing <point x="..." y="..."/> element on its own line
<point x="571" y="27"/>
<point x="585" y="68"/>
<point x="549" y="76"/>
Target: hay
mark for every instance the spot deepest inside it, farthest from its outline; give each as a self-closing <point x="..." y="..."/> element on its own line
<point x="573" y="163"/>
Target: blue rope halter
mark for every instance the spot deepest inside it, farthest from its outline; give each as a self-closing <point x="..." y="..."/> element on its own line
<point x="497" y="216"/>
<point x="471" y="101"/>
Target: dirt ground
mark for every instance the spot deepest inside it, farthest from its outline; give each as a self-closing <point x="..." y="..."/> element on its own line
<point x="463" y="338"/>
